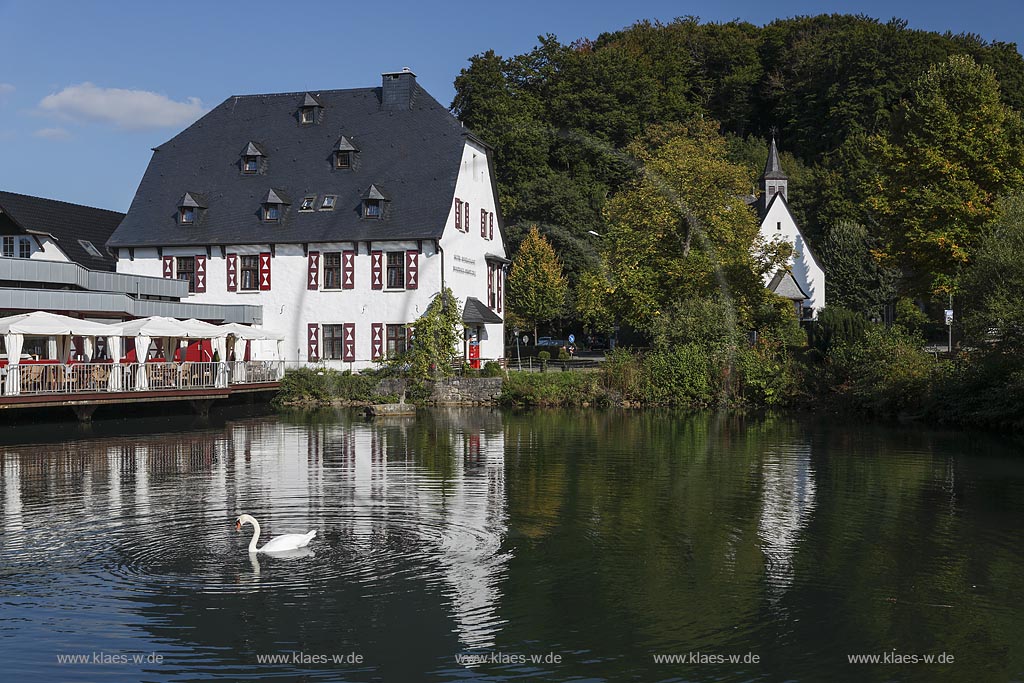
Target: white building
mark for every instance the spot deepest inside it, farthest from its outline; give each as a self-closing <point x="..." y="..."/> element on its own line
<point x="804" y="281"/>
<point x="342" y="213"/>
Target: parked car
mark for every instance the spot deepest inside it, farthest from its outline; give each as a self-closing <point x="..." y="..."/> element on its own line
<point x="551" y="341"/>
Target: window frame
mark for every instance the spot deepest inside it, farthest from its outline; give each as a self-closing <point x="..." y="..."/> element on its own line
<point x="307" y="115"/>
<point x="4" y="249"/>
<point x="328" y="339"/>
<point x="267" y="208"/>
<point x="339" y="155"/>
<point x="245" y="265"/>
<point x="90" y="248"/>
<point x="190" y="272"/>
<point x="376" y="205"/>
<point x="398" y="268"/>
<point x="331" y="199"/>
<point x="332" y="270"/>
<point x="24" y="247"/>
<point x="254" y="160"/>
<point x="395" y="336"/>
<point x="308" y="203"/>
<point x="190" y="212"/>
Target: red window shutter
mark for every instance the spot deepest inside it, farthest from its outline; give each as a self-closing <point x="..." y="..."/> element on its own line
<point x="168" y="267"/>
<point x="265" y="271"/>
<point x="409" y="336"/>
<point x="490" y="286"/>
<point x="313" y="271"/>
<point x="200" y="273"/>
<point x="466" y="215"/>
<point x="483" y="223"/>
<point x="377" y="352"/>
<point x="348" y="269"/>
<point x="412" y="269"/>
<point x="348" y="351"/>
<point x="377" y="270"/>
<point x="458" y="214"/>
<point x="490" y="231"/>
<point x="232" y="265"/>
<point x="501" y="276"/>
<point x="313" y="341"/>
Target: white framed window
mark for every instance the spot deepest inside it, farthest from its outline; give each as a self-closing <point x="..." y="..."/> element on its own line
<point x="271" y="213"/>
<point x="90" y="248"/>
<point x="187" y="215"/>
<point x="396" y="270"/>
<point x="251" y="165"/>
<point x="25" y="248"/>
<point x="8" y="246"/>
<point x="307" y="114"/>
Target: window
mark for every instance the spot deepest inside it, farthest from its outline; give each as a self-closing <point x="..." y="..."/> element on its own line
<point x="332" y="270"/>
<point x="8" y="249"/>
<point x="778" y="225"/>
<point x="90" y="248"/>
<point x="371" y="208"/>
<point x="187" y="215"/>
<point x="458" y="214"/>
<point x="396" y="270"/>
<point x="308" y="203"/>
<point x="307" y="114"/>
<point x="187" y="271"/>
<point x="396" y="336"/>
<point x="25" y="248"/>
<point x="342" y="159"/>
<point x="251" y="164"/>
<point x="328" y="203"/>
<point x="271" y="213"/>
<point x="250" y="272"/>
<point x="331" y="345"/>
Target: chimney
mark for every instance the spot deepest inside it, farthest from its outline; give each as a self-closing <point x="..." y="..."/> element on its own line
<point x="397" y="90"/>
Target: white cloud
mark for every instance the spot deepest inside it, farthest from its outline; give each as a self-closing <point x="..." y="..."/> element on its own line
<point x="121" y="107"/>
<point x="52" y="133"/>
<point x="6" y="89"/>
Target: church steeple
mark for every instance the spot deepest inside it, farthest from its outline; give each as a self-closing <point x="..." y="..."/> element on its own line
<point x="773" y="180"/>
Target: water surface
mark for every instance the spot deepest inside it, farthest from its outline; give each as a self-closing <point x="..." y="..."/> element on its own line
<point x="550" y="546"/>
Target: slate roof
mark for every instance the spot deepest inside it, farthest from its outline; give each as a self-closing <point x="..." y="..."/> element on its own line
<point x="67" y="223"/>
<point x="772" y="166"/>
<point x="411" y="155"/>
<point x="784" y="284"/>
<point x="475" y="312"/>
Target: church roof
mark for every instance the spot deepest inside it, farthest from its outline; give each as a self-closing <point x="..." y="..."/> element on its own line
<point x="773" y="167"/>
<point x="784" y="284"/>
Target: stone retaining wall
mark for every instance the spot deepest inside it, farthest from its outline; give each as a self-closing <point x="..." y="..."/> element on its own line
<point x="451" y="392"/>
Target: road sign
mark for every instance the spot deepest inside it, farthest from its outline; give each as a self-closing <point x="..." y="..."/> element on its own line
<point x="949" y="316"/>
<point x="572" y="338"/>
<point x="526" y="339"/>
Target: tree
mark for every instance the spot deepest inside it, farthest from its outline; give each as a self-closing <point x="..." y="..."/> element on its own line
<point x="994" y="282"/>
<point x="682" y="230"/>
<point x="537" y="289"/>
<point x="435" y="339"/>
<point x="857" y="279"/>
<point x="952" y="149"/>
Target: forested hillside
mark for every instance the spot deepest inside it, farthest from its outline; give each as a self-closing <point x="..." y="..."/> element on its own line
<point x="862" y="110"/>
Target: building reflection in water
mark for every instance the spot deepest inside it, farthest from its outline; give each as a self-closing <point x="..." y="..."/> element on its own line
<point x="787" y="503"/>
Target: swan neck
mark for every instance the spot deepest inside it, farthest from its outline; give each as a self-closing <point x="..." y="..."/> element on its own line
<point x="255" y="535"/>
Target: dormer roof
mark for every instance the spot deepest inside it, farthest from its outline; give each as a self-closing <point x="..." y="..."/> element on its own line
<point x="310" y="100"/>
<point x="193" y="200"/>
<point x="254" y="149"/>
<point x="373" y="192"/>
<point x="344" y="145"/>
<point x="276" y="196"/>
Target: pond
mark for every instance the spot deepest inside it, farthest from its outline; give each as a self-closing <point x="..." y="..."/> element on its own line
<point x="476" y="544"/>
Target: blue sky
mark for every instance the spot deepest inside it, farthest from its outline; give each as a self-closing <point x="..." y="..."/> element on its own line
<point x="72" y="72"/>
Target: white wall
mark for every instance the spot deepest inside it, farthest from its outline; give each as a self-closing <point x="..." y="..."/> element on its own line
<point x="289" y="305"/>
<point x="779" y="224"/>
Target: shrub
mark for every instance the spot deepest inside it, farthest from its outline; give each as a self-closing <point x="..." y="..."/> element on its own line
<point x="837" y="326"/>
<point x="321" y="385"/>
<point x="555" y="389"/>
<point x="492" y="369"/>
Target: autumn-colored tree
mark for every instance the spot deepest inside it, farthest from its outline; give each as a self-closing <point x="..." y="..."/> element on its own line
<point x="683" y="231"/>
<point x="953" y="148"/>
<point x="537" y="289"/>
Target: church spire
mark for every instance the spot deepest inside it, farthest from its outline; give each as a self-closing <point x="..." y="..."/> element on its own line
<point x="774" y="180"/>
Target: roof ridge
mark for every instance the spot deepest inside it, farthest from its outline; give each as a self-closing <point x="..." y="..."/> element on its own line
<point x="300" y="93"/>
<point x="58" y="201"/>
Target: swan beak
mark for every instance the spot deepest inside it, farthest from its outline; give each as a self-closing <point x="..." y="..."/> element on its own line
<point x="238" y="526"/>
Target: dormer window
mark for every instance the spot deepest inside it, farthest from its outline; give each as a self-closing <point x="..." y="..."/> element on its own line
<point x="344" y="152"/>
<point x="309" y="109"/>
<point x="373" y="203"/>
<point x="273" y="206"/>
<point x="252" y="158"/>
<point x="308" y="203"/>
<point x="189" y="207"/>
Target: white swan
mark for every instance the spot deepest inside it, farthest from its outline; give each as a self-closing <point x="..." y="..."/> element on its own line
<point x="276" y="544"/>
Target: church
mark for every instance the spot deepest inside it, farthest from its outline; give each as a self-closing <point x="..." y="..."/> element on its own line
<point x="803" y="281"/>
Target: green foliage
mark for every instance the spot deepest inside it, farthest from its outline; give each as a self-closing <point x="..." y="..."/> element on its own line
<point x="994" y="283"/>
<point x="912" y="318"/>
<point x="887" y="372"/>
<point x="563" y="354"/>
<point x="858" y="279"/>
<point x="835" y="327"/>
<point x="952" y="148"/>
<point x="544" y="357"/>
<point x="552" y="389"/>
<point x="492" y="369"/>
<point x="537" y="289"/>
<point x="701" y="321"/>
<point x="313" y="385"/>
<point x="436" y="338"/>
<point x="985" y="390"/>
